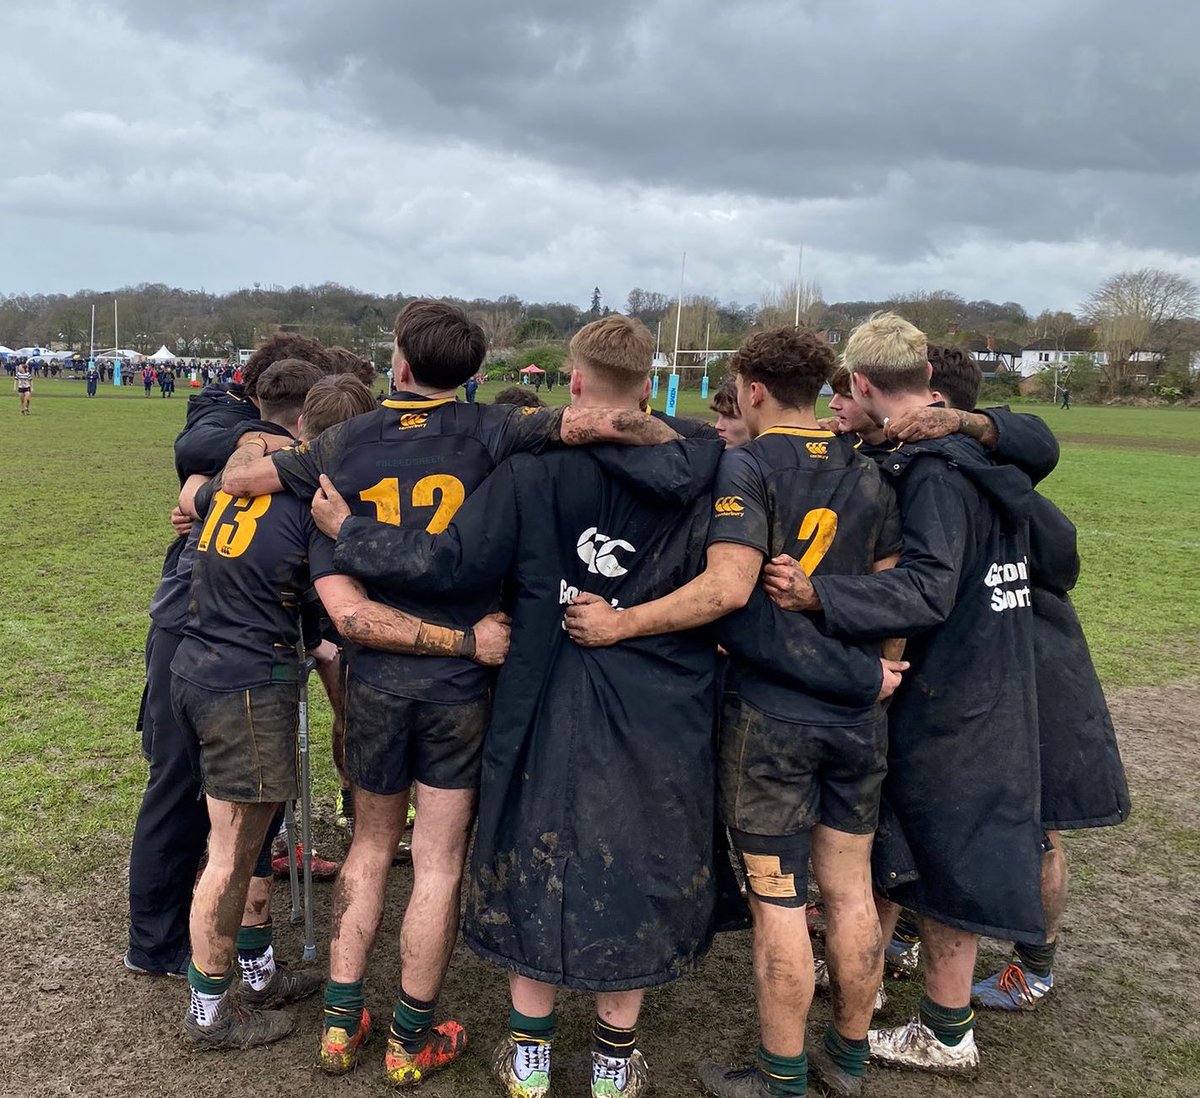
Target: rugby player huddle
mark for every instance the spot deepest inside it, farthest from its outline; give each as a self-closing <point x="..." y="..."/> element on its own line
<point x="847" y="642"/>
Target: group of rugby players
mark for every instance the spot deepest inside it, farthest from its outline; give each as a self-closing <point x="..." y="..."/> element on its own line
<point x="847" y="642"/>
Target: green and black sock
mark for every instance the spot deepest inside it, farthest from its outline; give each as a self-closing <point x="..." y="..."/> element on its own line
<point x="1038" y="959"/>
<point x="525" y="1030"/>
<point x="411" y="1021"/>
<point x="613" y="1041"/>
<point x="207" y="993"/>
<point x="949" y="1024"/>
<point x="344" y="1006"/>
<point x="785" y="1076"/>
<point x="850" y="1056"/>
<point x="256" y="956"/>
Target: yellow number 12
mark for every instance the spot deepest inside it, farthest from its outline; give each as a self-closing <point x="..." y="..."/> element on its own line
<point x="447" y="491"/>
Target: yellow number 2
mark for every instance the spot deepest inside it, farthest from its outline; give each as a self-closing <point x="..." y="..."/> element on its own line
<point x="820" y="524"/>
<point x="233" y="538"/>
<point x="446" y="491"/>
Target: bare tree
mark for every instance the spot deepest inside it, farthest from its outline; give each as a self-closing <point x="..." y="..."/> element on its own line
<point x="1143" y="310"/>
<point x="1054" y="326"/>
<point x="778" y="305"/>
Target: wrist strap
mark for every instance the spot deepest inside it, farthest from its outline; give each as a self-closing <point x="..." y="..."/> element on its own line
<point x="468" y="644"/>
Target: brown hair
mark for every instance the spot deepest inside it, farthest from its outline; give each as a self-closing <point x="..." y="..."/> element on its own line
<point x="520" y="395"/>
<point x="839" y="382"/>
<point x="333" y="399"/>
<point x="791" y="363"/>
<point x="724" y="400"/>
<point x="618" y="348"/>
<point x="281" y="346"/>
<point x="956" y="375"/>
<point x="282" y="388"/>
<point x="347" y="362"/>
<point x="441" y="344"/>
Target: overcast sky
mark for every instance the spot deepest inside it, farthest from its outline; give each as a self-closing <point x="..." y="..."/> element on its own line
<point x="1017" y="151"/>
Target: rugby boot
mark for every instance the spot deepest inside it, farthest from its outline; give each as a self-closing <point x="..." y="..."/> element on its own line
<point x="443" y="1045"/>
<point x="236" y="1026"/>
<point x="612" y="1078"/>
<point x="916" y="1046"/>
<point x="723" y="1082"/>
<point x="901" y="959"/>
<point x="1014" y="988"/>
<point x="522" y="1068"/>
<point x="285" y="986"/>
<point x="821" y="983"/>
<point x="830" y="1076"/>
<point x="322" y="869"/>
<point x="339" y="1049"/>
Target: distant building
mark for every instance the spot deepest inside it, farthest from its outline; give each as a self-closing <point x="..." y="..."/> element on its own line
<point x="1045" y="354"/>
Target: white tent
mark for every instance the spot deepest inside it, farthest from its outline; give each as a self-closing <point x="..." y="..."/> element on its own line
<point x="162" y="355"/>
<point x="6" y="350"/>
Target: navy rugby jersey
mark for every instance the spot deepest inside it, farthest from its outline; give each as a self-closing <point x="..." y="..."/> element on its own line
<point x="411" y="463"/>
<point x="255" y="557"/>
<point x="807" y="493"/>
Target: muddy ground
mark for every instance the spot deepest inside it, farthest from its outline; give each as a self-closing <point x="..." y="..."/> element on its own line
<point x="1124" y="1021"/>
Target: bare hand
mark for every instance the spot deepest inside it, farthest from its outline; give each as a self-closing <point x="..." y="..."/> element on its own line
<point x="492" y="635"/>
<point x="592" y="622"/>
<point x="182" y="522"/>
<point x="329" y="510"/>
<point x="830" y="423"/>
<point x="788" y="584"/>
<point x="919" y="424"/>
<point x="325" y="652"/>
<point x="891" y="677"/>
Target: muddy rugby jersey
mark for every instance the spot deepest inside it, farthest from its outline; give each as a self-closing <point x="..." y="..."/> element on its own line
<point x="255" y="558"/>
<point x="807" y="493"/>
<point x="411" y="463"/>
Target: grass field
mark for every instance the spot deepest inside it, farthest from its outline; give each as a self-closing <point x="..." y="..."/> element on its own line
<point x="83" y="527"/>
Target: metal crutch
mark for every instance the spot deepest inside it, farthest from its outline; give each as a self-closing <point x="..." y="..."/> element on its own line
<point x="289" y="830"/>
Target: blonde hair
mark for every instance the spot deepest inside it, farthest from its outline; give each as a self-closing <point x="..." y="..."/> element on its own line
<point x="619" y="349"/>
<point x="890" y="352"/>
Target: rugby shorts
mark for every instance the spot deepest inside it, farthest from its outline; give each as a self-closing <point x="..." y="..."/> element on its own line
<point x="392" y="741"/>
<point x="248" y="739"/>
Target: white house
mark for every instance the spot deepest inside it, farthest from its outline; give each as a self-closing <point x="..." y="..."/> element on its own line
<point x="1045" y="354"/>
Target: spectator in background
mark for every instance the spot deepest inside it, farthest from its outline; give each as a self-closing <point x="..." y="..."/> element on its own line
<point x="93" y="378"/>
<point x="472" y="387"/>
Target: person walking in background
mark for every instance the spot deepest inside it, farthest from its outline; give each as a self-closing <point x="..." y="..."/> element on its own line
<point x="93" y="378"/>
<point x="1066" y="399"/>
<point x="23" y="383"/>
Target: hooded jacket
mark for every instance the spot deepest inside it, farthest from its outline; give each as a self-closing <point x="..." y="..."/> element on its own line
<point x="1083" y="778"/>
<point x="963" y="780"/>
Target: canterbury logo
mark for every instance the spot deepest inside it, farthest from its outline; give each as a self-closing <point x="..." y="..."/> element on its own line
<point x="818" y="449"/>
<point x="598" y="552"/>
<point x="728" y="505"/>
<point x="415" y="419"/>
<point x="530" y="411"/>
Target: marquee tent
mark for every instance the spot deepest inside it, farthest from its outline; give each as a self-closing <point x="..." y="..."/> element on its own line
<point x="162" y="355"/>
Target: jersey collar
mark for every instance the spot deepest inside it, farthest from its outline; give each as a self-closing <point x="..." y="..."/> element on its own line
<point x="803" y="432"/>
<point x="410" y="402"/>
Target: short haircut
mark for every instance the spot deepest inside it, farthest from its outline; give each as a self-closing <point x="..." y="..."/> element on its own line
<point x="791" y="363"/>
<point x="956" y="375"/>
<point x="333" y="399"/>
<point x="890" y="352"/>
<point x="283" y="387"/>
<point x="440" y="343"/>
<point x="724" y="401"/>
<point x="619" y="348"/>
<point x="347" y="362"/>
<point x="281" y="346"/>
<point x="839" y="382"/>
<point x="520" y="395"/>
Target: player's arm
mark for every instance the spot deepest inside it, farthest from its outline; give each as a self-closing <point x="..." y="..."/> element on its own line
<point x="726" y="584"/>
<point x="925" y="423"/>
<point x="369" y="623"/>
<point x="527" y="430"/>
<point x="187" y="494"/>
<point x="474" y="553"/>
<point x="250" y="470"/>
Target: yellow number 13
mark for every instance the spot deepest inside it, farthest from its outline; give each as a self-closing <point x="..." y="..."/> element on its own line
<point x="448" y="492"/>
<point x="820" y="524"/>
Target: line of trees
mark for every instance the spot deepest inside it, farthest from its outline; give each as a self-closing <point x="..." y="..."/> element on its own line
<point x="1132" y="313"/>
